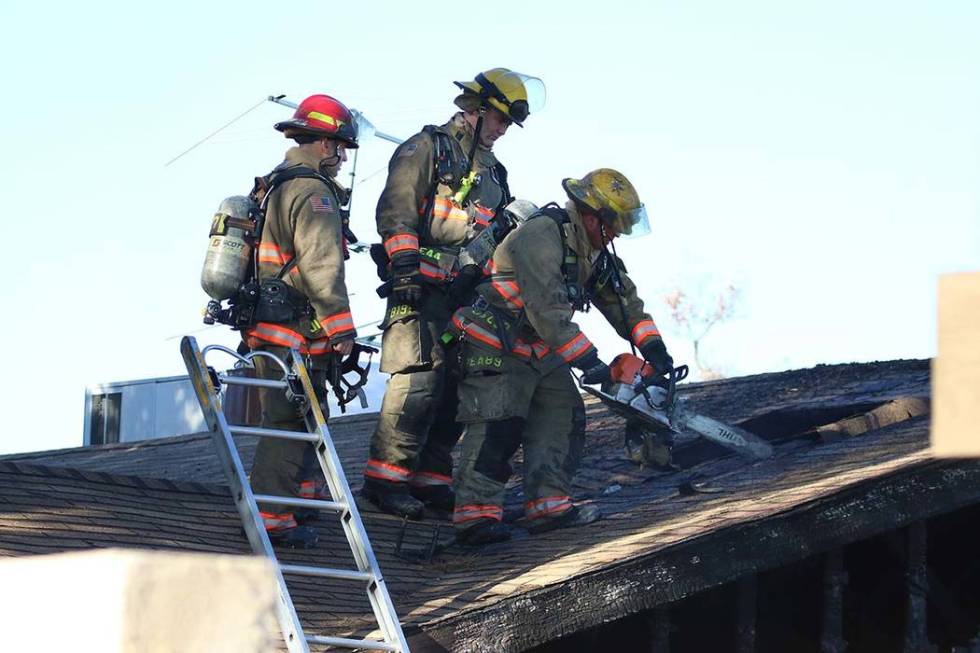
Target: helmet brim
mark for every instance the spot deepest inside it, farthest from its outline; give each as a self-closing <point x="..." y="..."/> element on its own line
<point x="576" y="191"/>
<point x="294" y="127"/>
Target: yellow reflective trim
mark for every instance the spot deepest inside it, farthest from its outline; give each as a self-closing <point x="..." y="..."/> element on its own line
<point x="322" y="117"/>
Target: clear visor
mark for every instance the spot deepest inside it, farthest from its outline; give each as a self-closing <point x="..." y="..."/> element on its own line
<point x="365" y="128"/>
<point x="639" y="221"/>
<point x="535" y="90"/>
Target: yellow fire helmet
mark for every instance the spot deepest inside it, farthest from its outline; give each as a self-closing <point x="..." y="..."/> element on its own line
<point x="514" y="94"/>
<point x="611" y="196"/>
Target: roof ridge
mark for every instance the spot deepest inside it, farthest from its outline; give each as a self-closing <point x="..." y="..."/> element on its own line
<point x="131" y="480"/>
<point x="157" y="441"/>
<point x="818" y="366"/>
<point x="133" y="444"/>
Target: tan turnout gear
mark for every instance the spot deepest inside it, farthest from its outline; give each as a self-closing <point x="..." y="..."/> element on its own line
<point x="518" y="341"/>
<point x="412" y="178"/>
<point x="303" y="234"/>
<point x="422" y="223"/>
<point x="527" y="278"/>
<point x="303" y="227"/>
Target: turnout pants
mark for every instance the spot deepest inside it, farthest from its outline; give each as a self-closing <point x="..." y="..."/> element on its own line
<point x="285" y="467"/>
<point x="507" y="402"/>
<point x="417" y="427"/>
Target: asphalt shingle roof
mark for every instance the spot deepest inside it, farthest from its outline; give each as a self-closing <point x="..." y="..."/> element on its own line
<point x="170" y="494"/>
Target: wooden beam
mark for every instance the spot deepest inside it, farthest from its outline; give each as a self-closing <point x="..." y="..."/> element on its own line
<point x="893" y="412"/>
<point x="658" y="624"/>
<point x="972" y="647"/>
<point x="917" y="589"/>
<point x="745" y="613"/>
<point x="532" y="618"/>
<point x="832" y="624"/>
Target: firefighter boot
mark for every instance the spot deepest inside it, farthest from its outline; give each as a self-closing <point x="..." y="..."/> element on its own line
<point x="311" y="490"/>
<point x="300" y="537"/>
<point x="393" y="498"/>
<point x="574" y="516"/>
<point x="484" y="531"/>
<point x="439" y="498"/>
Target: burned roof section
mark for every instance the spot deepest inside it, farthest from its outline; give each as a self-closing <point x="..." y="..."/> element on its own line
<point x="850" y="460"/>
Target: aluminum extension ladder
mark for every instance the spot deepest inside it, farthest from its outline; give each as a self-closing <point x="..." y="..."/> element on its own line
<point x="297" y="384"/>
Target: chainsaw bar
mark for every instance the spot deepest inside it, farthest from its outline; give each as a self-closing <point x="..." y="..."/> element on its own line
<point x="731" y="437"/>
<point x="660" y="410"/>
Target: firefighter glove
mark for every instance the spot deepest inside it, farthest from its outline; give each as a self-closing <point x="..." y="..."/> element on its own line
<point x="380" y="258"/>
<point x="406" y="282"/>
<point x="594" y="371"/>
<point x="655" y="352"/>
<point x="461" y="287"/>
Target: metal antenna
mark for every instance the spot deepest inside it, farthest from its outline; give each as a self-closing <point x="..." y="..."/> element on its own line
<point x="278" y="99"/>
<point x="353" y="174"/>
<point x="219" y="129"/>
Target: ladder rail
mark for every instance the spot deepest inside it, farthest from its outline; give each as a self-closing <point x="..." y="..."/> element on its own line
<point x="318" y="434"/>
<point x="333" y="472"/>
<point x="224" y="444"/>
<point x="343" y="642"/>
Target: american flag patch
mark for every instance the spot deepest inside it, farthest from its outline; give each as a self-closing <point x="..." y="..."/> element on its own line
<point x="321" y="204"/>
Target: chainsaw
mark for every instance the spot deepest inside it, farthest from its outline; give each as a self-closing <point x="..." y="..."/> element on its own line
<point x="654" y="413"/>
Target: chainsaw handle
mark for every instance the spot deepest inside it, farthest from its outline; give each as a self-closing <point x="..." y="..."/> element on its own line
<point x="676" y="374"/>
<point x="668" y="382"/>
<point x="669" y="378"/>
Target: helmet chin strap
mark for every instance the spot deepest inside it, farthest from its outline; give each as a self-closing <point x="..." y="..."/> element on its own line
<point x="481" y="112"/>
<point x="330" y="162"/>
<point x="617" y="278"/>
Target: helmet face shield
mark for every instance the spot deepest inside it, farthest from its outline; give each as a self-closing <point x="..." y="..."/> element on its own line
<point x="535" y="91"/>
<point x="514" y="94"/>
<point x="638" y="223"/>
<point x="513" y="84"/>
<point x="363" y="127"/>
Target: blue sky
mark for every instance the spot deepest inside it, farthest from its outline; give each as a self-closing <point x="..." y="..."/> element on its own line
<point x="822" y="156"/>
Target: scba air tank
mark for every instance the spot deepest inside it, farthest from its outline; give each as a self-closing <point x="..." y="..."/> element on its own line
<point x="230" y="247"/>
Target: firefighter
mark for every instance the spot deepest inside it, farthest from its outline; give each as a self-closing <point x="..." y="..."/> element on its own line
<point x="518" y="341"/>
<point x="302" y="243"/>
<point x="444" y="187"/>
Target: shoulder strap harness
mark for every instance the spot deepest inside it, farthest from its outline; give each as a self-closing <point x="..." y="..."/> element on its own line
<point x="577" y="295"/>
<point x="446" y="170"/>
<point x="262" y="190"/>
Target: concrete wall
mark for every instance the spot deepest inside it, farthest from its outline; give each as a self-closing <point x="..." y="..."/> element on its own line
<point x="124" y="601"/>
<point x="956" y="369"/>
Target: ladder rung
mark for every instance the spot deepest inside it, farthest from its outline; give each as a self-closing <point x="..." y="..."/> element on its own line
<point x="332" y="506"/>
<point x="371" y="644"/>
<point x="327" y="572"/>
<point x="297" y="386"/>
<point x="274" y="433"/>
<point x="247" y="380"/>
